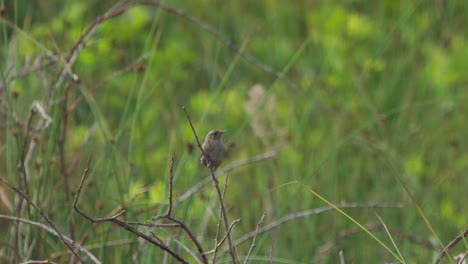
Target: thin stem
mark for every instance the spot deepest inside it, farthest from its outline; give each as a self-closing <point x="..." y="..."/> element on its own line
<point x="232" y="249"/>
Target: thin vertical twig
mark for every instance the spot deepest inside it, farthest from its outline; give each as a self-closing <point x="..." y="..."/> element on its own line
<point x="254" y="239"/>
<point x="218" y="226"/>
<point x="180" y="223"/>
<point x="232" y="249"/>
<point x="63" y="168"/>
<point x="171" y="186"/>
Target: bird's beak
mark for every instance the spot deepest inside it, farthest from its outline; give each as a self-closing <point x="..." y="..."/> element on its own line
<point x="223" y="131"/>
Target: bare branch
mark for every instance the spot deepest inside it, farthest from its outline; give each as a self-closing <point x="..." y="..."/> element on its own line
<point x="171" y="186"/>
<point x="53" y="232"/>
<point x="180" y="223"/>
<point x="224" y="237"/>
<point x="254" y="238"/>
<point x="187" y="230"/>
<point x="70" y="245"/>
<point x="205" y="182"/>
<point x="450" y="245"/>
<point x="121" y="223"/>
<point x="218" y="226"/>
<point x="232" y="249"/>
<point x="63" y="163"/>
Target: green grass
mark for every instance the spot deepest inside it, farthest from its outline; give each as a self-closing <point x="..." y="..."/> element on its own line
<point x="362" y="102"/>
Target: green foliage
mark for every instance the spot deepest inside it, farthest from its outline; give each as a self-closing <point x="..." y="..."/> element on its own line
<point x="376" y="103"/>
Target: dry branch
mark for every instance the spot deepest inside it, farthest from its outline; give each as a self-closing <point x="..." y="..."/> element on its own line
<point x="444" y="251"/>
<point x="232" y="248"/>
<point x="53" y="232"/>
<point x="121" y="223"/>
<point x="67" y="243"/>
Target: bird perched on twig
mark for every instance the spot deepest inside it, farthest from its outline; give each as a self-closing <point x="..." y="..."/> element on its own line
<point x="213" y="148"/>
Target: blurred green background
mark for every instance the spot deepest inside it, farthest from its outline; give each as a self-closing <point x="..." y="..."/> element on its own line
<point x="368" y="98"/>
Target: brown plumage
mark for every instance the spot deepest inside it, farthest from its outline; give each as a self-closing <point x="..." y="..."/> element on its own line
<point x="213" y="148"/>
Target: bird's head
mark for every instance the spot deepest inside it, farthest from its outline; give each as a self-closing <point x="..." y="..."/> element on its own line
<point x="216" y="134"/>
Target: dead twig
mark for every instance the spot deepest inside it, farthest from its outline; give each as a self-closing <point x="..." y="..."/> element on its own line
<point x="205" y="182"/>
<point x="67" y="243"/>
<point x="53" y="232"/>
<point x="444" y="251"/>
<point x="171" y="186"/>
<point x="187" y="230"/>
<point x="63" y="163"/>
<point x="232" y="249"/>
<point x="179" y="223"/>
<point x="218" y="226"/>
<point x="246" y="260"/>
<point x="121" y="223"/>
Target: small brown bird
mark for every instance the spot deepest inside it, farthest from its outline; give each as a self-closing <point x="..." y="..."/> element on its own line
<point x="213" y="148"/>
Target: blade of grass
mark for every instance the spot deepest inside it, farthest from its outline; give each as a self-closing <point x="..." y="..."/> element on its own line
<point x="389" y="235"/>
<point x="347" y="216"/>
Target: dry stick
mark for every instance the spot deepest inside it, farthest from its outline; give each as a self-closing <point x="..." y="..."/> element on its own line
<point x="187" y="230"/>
<point x="229" y="230"/>
<point x="29" y="146"/>
<point x="63" y="169"/>
<point x="22" y="177"/>
<point x="232" y="249"/>
<point x="91" y="229"/>
<point x="171" y="186"/>
<point x="231" y="227"/>
<point x="180" y="223"/>
<point x="39" y="262"/>
<point x="53" y="232"/>
<point x="121" y="223"/>
<point x="218" y="226"/>
<point x="303" y="214"/>
<point x="254" y="239"/>
<point x="450" y="245"/>
<point x="67" y="63"/>
<point x="183" y="246"/>
<point x="205" y="182"/>
<point x="13" y="255"/>
<point x="46" y="218"/>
